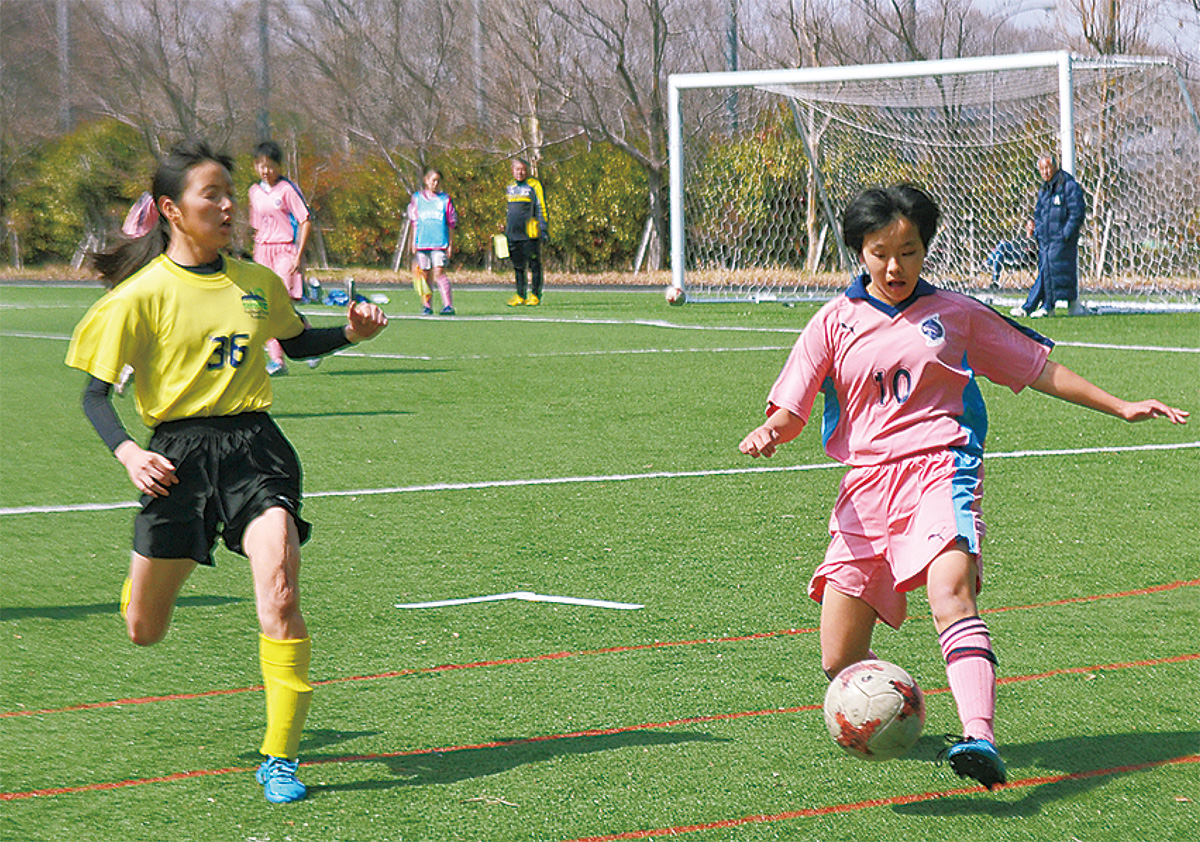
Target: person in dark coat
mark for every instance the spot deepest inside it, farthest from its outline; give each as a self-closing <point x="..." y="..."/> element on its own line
<point x="1057" y="218"/>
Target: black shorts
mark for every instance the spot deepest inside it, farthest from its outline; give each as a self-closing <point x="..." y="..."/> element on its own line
<point x="230" y="469"/>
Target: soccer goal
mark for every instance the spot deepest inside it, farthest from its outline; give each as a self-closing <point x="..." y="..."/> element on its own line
<point x="762" y="163"/>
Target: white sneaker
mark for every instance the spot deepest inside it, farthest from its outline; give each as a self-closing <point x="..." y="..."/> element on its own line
<point x="1077" y="308"/>
<point x="1019" y="312"/>
<point x="1041" y="313"/>
<point x="313" y="362"/>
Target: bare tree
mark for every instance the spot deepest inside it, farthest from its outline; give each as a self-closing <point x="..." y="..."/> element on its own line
<point x="389" y="73"/>
<point x="1112" y="27"/>
<point x="27" y="83"/>
<point x="802" y="33"/>
<point x="613" y="83"/>
<point x="525" y="55"/>
<point x="170" y="67"/>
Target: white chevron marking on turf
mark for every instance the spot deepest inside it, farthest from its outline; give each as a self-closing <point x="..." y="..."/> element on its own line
<point x="526" y="596"/>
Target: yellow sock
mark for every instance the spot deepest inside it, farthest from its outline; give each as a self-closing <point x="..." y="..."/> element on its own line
<point x="126" y="595"/>
<point x="285" y="678"/>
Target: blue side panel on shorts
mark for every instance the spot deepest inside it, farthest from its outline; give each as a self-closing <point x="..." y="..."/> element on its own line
<point x="833" y="411"/>
<point x="968" y="469"/>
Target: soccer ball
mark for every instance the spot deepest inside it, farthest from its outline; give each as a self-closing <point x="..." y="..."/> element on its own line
<point x="874" y="710"/>
<point x="675" y="296"/>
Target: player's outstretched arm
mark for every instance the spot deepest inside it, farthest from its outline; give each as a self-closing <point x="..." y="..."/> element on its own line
<point x="779" y="429"/>
<point x="364" y="321"/>
<point x="1061" y="382"/>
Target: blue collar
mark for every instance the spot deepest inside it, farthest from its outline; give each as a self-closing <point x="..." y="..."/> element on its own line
<point x="858" y="290"/>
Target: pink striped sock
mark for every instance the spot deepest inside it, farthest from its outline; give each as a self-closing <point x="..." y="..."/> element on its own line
<point x="971" y="669"/>
<point x="443" y="285"/>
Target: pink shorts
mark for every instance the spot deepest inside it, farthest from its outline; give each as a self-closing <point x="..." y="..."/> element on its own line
<point x="890" y="521"/>
<point x="278" y="258"/>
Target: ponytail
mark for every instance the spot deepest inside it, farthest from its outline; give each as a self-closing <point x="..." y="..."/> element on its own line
<point x="170" y="179"/>
<point x="130" y="254"/>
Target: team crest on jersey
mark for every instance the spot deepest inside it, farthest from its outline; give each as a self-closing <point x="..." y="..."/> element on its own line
<point x="255" y="304"/>
<point x="933" y="331"/>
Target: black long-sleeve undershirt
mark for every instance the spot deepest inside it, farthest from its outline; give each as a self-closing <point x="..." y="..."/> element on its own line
<point x="97" y="406"/>
<point x="315" y="342"/>
<point x="97" y="394"/>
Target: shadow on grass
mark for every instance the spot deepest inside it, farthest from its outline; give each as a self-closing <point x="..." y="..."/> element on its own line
<point x="76" y="612"/>
<point x="1068" y="756"/>
<point x="391" y="412"/>
<point x="362" y="372"/>
<point x="456" y="765"/>
<point x="316" y="739"/>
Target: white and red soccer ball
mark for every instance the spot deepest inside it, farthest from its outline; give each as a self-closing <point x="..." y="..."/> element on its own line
<point x="874" y="710"/>
<point x="675" y="295"/>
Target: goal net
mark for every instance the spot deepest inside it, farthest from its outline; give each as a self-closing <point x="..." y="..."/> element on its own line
<point x="762" y="164"/>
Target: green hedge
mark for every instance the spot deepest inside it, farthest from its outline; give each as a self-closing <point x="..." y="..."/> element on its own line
<point x="86" y="181"/>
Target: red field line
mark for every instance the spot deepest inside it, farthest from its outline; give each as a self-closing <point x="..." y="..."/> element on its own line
<point x="553" y="656"/>
<point x="831" y="809"/>
<point x="599" y="732"/>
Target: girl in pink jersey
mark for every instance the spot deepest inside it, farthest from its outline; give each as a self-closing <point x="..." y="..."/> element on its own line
<point x="280" y="219"/>
<point x="896" y="360"/>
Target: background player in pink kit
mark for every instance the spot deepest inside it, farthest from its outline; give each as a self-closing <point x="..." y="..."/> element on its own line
<point x="280" y="219"/>
<point x="896" y="359"/>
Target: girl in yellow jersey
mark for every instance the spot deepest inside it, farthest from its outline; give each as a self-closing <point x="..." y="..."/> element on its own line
<point x="192" y="323"/>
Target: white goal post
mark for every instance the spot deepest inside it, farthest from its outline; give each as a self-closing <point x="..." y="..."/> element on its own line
<point x="762" y="163"/>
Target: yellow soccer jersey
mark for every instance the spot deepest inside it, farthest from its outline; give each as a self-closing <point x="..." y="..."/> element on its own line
<point x="194" y="341"/>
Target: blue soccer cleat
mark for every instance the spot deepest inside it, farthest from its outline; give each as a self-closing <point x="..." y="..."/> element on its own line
<point x="974" y="757"/>
<point x="278" y="778"/>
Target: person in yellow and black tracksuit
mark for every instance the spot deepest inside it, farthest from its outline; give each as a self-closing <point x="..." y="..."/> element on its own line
<point x="525" y="227"/>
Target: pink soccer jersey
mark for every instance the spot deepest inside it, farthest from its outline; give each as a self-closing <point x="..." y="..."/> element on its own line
<point x="898" y="382"/>
<point x="275" y="212"/>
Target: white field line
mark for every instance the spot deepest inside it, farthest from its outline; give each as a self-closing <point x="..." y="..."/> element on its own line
<point x="634" y="351"/>
<point x="543" y="354"/>
<point x="652" y="323"/>
<point x="16" y="334"/>
<point x="525" y="483"/>
<point x="1107" y="347"/>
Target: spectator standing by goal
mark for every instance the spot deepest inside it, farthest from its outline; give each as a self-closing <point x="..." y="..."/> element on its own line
<point x="1057" y="219"/>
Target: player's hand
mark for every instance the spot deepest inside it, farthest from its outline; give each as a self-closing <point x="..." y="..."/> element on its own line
<point x="761" y="442"/>
<point x="364" y="321"/>
<point x="151" y="473"/>
<point x="1145" y="410"/>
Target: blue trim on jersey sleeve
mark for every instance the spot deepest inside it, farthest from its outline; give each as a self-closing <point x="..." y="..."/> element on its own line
<point x="832" y="413"/>
<point x="1028" y="331"/>
<point x="295" y="223"/>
